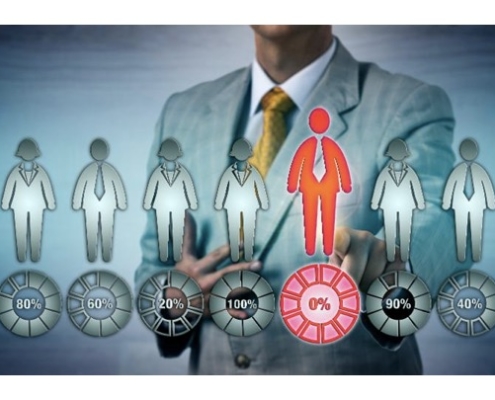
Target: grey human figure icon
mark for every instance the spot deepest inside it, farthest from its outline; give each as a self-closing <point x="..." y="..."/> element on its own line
<point x="468" y="191"/>
<point x="241" y="192"/>
<point x="99" y="192"/>
<point x="28" y="192"/>
<point x="170" y="191"/>
<point x="398" y="193"/>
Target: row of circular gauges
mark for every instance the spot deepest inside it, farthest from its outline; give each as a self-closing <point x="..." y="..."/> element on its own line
<point x="319" y="303"/>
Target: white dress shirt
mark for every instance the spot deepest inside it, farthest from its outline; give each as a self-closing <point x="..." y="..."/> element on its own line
<point x="298" y="87"/>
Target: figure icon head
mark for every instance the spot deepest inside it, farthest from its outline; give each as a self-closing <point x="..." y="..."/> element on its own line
<point x="468" y="149"/>
<point x="99" y="150"/>
<point x="241" y="150"/>
<point x="28" y="150"/>
<point x="319" y="120"/>
<point x="170" y="150"/>
<point x="397" y="150"/>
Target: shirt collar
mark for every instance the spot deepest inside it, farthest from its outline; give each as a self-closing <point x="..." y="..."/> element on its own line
<point x="298" y="86"/>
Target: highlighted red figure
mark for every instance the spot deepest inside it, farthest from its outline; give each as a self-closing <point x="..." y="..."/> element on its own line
<point x="319" y="192"/>
<point x="320" y="303"/>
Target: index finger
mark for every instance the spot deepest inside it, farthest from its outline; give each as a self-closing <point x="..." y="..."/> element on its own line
<point x="209" y="262"/>
<point x="353" y="247"/>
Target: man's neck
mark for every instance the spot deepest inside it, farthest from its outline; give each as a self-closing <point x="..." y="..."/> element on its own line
<point x="283" y="58"/>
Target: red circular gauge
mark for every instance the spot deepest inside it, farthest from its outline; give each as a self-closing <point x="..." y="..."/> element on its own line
<point x="320" y="303"/>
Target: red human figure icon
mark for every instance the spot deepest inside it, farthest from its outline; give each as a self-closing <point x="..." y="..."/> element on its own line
<point x="316" y="191"/>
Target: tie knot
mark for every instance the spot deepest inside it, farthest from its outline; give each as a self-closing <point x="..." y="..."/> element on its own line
<point x="277" y="100"/>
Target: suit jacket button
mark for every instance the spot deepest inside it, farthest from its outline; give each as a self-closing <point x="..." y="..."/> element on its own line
<point x="242" y="361"/>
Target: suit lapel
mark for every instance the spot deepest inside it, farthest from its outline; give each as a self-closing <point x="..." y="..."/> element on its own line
<point x="221" y="121"/>
<point x="228" y="103"/>
<point x="337" y="91"/>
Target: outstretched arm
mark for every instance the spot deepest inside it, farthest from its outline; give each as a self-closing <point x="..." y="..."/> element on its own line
<point x="424" y="120"/>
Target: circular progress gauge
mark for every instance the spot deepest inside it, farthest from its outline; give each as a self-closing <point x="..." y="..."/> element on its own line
<point x="398" y="303"/>
<point x="320" y="303"/>
<point x="176" y="313"/>
<point x="99" y="303"/>
<point x="466" y="303"/>
<point x="30" y="303"/>
<point x="246" y="291"/>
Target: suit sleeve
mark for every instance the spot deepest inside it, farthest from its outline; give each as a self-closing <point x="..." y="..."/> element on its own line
<point x="417" y="191"/>
<point x="150" y="262"/>
<point x="425" y="121"/>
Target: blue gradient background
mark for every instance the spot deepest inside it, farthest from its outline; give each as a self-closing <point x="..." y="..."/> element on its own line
<point x="65" y="86"/>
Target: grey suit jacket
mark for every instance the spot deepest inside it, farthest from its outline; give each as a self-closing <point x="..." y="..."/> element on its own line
<point x="368" y="107"/>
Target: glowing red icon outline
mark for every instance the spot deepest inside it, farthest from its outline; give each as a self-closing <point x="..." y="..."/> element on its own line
<point x="319" y="192"/>
<point x="320" y="303"/>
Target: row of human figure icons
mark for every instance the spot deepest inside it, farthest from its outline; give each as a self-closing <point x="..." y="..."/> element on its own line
<point x="241" y="191"/>
<point x="28" y="192"/>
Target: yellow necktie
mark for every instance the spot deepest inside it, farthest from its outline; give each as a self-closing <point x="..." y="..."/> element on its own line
<point x="276" y="104"/>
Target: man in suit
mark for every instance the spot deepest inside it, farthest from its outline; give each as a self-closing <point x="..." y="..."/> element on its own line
<point x="241" y="192"/>
<point x="369" y="107"/>
<point x="99" y="191"/>
<point x="28" y="192"/>
<point x="170" y="191"/>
